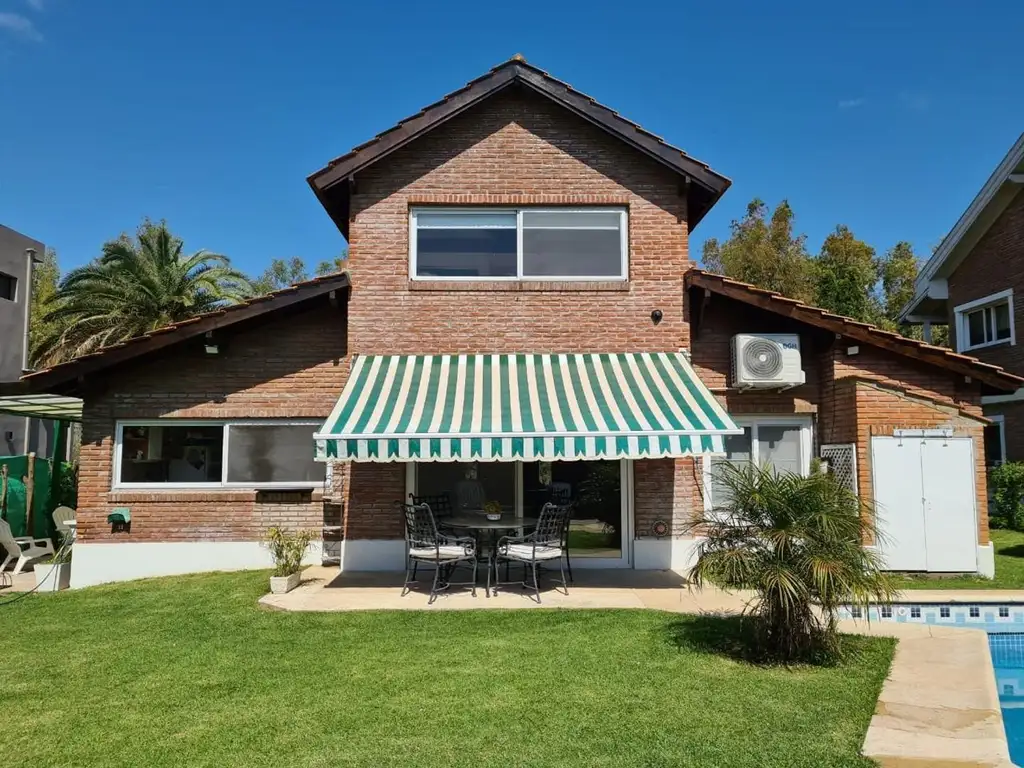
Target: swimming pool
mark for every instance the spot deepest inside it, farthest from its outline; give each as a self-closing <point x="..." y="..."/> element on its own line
<point x="1004" y="623"/>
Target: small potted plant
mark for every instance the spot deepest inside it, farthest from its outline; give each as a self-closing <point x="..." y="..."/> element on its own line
<point x="54" y="573"/>
<point x="287" y="549"/>
<point x="493" y="510"/>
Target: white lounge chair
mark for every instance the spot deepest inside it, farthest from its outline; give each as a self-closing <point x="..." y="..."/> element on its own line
<point x="25" y="548"/>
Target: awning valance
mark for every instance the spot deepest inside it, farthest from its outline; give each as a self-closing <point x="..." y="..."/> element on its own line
<point x="522" y="407"/>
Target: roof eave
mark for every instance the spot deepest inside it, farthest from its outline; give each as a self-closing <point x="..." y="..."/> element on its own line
<point x="514" y="71"/>
<point x="928" y="354"/>
<point x="991" y="200"/>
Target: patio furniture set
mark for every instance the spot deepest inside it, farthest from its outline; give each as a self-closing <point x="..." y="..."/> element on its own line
<point x="476" y="535"/>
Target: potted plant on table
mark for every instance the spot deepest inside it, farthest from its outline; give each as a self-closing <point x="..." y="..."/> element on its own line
<point x="287" y="549"/>
<point x="493" y="510"/>
<point x="54" y="573"/>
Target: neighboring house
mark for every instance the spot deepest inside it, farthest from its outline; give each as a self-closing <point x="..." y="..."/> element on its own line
<point x="522" y="316"/>
<point x="974" y="283"/>
<point x="18" y="254"/>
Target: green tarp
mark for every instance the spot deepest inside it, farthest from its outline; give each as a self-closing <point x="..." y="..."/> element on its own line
<point x="14" y="512"/>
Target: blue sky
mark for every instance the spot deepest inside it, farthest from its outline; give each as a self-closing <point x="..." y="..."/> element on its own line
<point x="211" y="114"/>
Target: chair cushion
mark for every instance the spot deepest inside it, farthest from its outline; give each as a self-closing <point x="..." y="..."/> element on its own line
<point x="527" y="552"/>
<point x="445" y="552"/>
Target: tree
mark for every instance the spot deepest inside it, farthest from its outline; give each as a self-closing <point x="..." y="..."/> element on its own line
<point x="45" y="279"/>
<point x="898" y="270"/>
<point x="845" y="277"/>
<point x="137" y="284"/>
<point x="337" y="264"/>
<point x="797" y="543"/>
<point x="280" y="274"/>
<point x="284" y="272"/>
<point x="764" y="252"/>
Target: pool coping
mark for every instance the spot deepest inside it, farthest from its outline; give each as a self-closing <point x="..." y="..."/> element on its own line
<point x="939" y="705"/>
<point x="959" y="596"/>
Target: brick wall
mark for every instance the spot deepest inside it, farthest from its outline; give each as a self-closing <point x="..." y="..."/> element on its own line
<point x="881" y="411"/>
<point x="1013" y="427"/>
<point x="516" y="149"/>
<point x="294" y="367"/>
<point x="995" y="264"/>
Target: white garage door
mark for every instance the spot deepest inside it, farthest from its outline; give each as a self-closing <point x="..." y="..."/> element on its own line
<point x="925" y="503"/>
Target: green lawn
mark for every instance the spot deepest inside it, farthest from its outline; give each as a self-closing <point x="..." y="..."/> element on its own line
<point x="1009" y="547"/>
<point x="189" y="671"/>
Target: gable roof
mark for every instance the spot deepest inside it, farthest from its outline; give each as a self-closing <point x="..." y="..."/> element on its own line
<point x="332" y="183"/>
<point x="993" y="198"/>
<point x="866" y="333"/>
<point x="175" y="333"/>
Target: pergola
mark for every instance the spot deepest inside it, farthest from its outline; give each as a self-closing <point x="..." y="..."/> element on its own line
<point x="43" y="406"/>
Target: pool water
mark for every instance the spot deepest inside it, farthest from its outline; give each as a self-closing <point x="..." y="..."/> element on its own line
<point x="1008" y="659"/>
<point x="1005" y="627"/>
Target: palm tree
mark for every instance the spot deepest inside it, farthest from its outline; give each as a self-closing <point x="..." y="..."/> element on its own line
<point x="136" y="285"/>
<point x="797" y="543"/>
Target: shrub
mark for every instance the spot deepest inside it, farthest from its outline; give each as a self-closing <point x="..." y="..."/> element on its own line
<point x="67" y="488"/>
<point x="287" y="549"/>
<point x="797" y="543"/>
<point x="1006" y="484"/>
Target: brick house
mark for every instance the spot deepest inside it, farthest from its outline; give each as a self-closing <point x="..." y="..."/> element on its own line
<point x="521" y="314"/>
<point x="973" y="283"/>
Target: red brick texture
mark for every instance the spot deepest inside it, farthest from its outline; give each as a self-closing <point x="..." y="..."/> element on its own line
<point x="294" y="367"/>
<point x="515" y="149"/>
<point x="853" y="391"/>
<point x="994" y="264"/>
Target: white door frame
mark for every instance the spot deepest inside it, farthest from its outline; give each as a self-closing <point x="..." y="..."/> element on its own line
<point x="579" y="562"/>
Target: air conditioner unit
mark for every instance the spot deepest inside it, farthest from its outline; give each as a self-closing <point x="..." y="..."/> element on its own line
<point x="766" y="361"/>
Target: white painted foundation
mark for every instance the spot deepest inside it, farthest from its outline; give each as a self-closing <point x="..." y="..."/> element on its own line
<point x="986" y="561"/>
<point x="100" y="562"/>
<point x="665" y="554"/>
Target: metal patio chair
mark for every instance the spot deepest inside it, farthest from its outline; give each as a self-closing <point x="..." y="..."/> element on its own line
<point x="543" y="545"/>
<point x="424" y="544"/>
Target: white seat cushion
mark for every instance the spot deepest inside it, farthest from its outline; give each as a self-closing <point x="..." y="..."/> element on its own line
<point x="446" y="552"/>
<point x="527" y="552"/>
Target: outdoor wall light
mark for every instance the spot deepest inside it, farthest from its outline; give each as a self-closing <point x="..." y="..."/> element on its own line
<point x="212" y="349"/>
<point x="656" y="316"/>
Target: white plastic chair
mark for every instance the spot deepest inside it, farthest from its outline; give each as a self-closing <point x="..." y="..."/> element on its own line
<point x="25" y="548"/>
<point x="61" y="515"/>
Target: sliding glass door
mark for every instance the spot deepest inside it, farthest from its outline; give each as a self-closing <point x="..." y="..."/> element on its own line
<point x="600" y="493"/>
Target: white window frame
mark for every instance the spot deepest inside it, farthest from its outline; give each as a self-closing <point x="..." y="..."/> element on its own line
<point x="804" y="423"/>
<point x="623" y="212"/>
<point x="223" y="484"/>
<point x="999" y="420"/>
<point x="963" y="310"/>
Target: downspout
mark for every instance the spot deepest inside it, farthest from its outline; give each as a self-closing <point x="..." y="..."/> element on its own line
<point x="926" y="331"/>
<point x="30" y="256"/>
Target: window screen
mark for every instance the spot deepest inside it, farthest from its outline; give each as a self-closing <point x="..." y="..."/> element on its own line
<point x="466" y="244"/>
<point x="532" y="244"/>
<point x="272" y="453"/>
<point x="779" y="448"/>
<point x="572" y="244"/>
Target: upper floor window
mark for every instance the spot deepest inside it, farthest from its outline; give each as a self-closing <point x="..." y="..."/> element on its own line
<point x="8" y="287"/>
<point x="985" y="322"/>
<point x="519" y="244"/>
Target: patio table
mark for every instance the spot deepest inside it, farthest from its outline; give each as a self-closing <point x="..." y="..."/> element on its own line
<point x="477" y="521"/>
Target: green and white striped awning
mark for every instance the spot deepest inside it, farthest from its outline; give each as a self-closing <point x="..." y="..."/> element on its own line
<point x="522" y="407"/>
